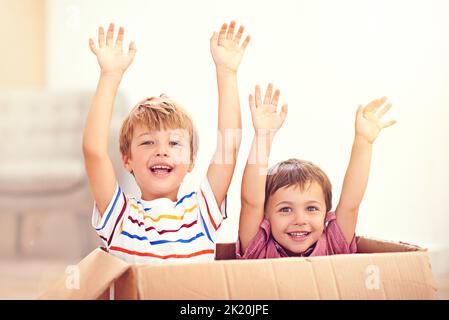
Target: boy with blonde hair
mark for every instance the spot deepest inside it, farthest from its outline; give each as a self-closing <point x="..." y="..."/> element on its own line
<point x="158" y="142"/>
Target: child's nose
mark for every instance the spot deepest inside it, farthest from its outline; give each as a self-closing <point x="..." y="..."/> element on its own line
<point x="161" y="154"/>
<point x="162" y="151"/>
<point x="299" y="218"/>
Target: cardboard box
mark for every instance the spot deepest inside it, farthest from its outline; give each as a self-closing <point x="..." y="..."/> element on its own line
<point x="380" y="270"/>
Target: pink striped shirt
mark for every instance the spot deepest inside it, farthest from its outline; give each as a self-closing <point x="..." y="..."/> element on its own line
<point x="264" y="246"/>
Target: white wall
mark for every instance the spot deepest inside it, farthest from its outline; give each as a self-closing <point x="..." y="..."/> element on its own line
<point x="327" y="57"/>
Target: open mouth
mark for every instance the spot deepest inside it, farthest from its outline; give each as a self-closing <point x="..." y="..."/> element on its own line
<point x="298" y="236"/>
<point x="161" y="169"/>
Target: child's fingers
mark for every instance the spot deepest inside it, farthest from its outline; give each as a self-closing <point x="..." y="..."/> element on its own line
<point x="388" y="124"/>
<point x="121" y="34"/>
<point x="230" y="33"/>
<point x="267" y="99"/>
<point x="384" y="110"/>
<point x="92" y="46"/>
<point x="245" y="43"/>
<point x="284" y="112"/>
<point x="375" y="104"/>
<point x="214" y="38"/>
<point x="110" y="35"/>
<point x="258" y="98"/>
<point x="252" y="106"/>
<point x="101" y="37"/>
<point x="359" y="111"/>
<point x="132" y="51"/>
<point x="222" y="34"/>
<point x="239" y="34"/>
<point x="275" y="100"/>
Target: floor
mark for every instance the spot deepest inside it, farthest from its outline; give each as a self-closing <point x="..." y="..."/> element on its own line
<point x="27" y="279"/>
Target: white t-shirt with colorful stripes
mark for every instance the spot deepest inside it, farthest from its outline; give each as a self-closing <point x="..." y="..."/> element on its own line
<point x="160" y="231"/>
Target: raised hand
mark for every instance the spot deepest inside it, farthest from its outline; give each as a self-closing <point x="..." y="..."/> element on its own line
<point x="368" y="119"/>
<point x="225" y="48"/>
<point x="110" y="56"/>
<point x="264" y="114"/>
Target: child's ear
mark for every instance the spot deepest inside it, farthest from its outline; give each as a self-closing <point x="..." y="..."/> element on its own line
<point x="126" y="163"/>
<point x="192" y="164"/>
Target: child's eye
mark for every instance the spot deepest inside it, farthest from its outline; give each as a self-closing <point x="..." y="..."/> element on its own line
<point x="174" y="143"/>
<point x="312" y="209"/>
<point x="286" y="209"/>
<point x="147" y="142"/>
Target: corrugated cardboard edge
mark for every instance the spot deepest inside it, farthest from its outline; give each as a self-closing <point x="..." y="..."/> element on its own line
<point x="126" y="287"/>
<point x="91" y="278"/>
<point x="376" y="245"/>
<point x="226" y="251"/>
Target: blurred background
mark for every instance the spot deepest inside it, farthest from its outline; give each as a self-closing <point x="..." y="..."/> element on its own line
<point x="327" y="57"/>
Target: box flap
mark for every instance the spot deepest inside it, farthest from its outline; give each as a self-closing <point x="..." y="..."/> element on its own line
<point x="373" y="245"/>
<point x="125" y="288"/>
<point x="89" y="279"/>
<point x="226" y="251"/>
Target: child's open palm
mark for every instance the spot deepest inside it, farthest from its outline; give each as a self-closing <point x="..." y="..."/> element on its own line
<point x="225" y="48"/>
<point x="264" y="114"/>
<point x="368" y="119"/>
<point x="111" y="58"/>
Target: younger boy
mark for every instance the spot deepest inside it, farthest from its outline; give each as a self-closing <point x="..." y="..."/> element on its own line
<point x="288" y="212"/>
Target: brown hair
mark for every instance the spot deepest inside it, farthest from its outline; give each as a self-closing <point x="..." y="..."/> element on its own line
<point x="297" y="172"/>
<point x="157" y="113"/>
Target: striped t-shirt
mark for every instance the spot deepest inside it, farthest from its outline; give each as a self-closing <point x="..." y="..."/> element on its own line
<point x="160" y="230"/>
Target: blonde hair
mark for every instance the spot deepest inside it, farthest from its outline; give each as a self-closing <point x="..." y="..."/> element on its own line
<point x="157" y="113"/>
<point x="295" y="172"/>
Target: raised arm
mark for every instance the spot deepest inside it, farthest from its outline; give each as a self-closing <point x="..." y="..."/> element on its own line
<point x="113" y="63"/>
<point x="266" y="122"/>
<point x="367" y="127"/>
<point x="227" y="54"/>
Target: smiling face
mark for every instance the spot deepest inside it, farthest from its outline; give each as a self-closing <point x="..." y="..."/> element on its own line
<point x="297" y="216"/>
<point x="159" y="160"/>
<point x="298" y="194"/>
<point x="158" y="143"/>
